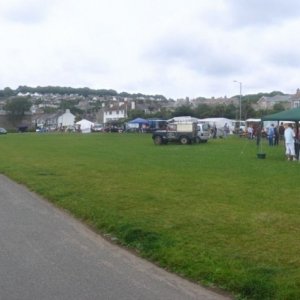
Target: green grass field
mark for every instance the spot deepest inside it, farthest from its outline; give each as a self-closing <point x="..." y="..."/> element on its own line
<point x="213" y="212"/>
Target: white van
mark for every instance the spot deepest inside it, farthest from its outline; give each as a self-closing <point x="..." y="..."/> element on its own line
<point x="203" y="132"/>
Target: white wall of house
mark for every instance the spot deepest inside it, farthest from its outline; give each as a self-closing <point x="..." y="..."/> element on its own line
<point x="114" y="115"/>
<point x="268" y="102"/>
<point x="296" y="103"/>
<point x="66" y="119"/>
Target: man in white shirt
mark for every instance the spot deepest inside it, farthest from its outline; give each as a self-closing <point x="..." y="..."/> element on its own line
<point x="289" y="136"/>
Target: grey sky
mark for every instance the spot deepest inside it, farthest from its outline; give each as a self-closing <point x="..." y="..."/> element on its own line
<point x="177" y="48"/>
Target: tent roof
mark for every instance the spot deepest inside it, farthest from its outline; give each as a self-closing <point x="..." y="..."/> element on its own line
<point x="253" y="120"/>
<point x="139" y="121"/>
<point x="183" y="119"/>
<point x="286" y="115"/>
<point x="84" y="121"/>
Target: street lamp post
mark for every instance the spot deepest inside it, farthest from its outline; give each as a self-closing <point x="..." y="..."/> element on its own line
<point x="240" y="83"/>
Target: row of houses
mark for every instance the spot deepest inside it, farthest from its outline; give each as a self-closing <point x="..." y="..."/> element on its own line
<point x="54" y="100"/>
<point x="288" y="101"/>
<point x="264" y="103"/>
<point x="67" y="119"/>
<point x="115" y="109"/>
<point x="54" y="121"/>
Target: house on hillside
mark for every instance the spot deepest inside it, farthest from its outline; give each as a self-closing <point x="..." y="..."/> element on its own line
<point x="48" y="121"/>
<point x="215" y="101"/>
<point x="295" y="99"/>
<point x="65" y="120"/>
<point x="148" y="108"/>
<point x="113" y="113"/>
<point x="169" y="106"/>
<point x="268" y="102"/>
<point x="84" y="105"/>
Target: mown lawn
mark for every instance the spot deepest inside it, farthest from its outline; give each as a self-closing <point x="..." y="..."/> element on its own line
<point x="213" y="212"/>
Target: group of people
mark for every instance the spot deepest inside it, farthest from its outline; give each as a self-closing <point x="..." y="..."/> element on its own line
<point x="286" y="132"/>
<point x="273" y="135"/>
<point x="223" y="132"/>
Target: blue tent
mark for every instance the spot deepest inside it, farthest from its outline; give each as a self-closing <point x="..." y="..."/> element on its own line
<point x="139" y="121"/>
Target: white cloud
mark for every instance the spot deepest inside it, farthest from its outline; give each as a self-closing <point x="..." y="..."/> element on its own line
<point x="177" y="48"/>
<point x="25" y="12"/>
<point x="257" y="13"/>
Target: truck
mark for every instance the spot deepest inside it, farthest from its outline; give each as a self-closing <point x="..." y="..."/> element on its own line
<point x="182" y="132"/>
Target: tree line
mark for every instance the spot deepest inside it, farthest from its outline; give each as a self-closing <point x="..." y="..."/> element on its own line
<point x="85" y="92"/>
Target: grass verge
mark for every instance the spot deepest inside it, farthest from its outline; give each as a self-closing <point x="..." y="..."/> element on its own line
<point x="212" y="212"/>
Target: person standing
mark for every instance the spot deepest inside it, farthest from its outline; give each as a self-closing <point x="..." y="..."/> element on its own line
<point x="214" y="131"/>
<point x="289" y="137"/>
<point x="271" y="135"/>
<point x="258" y="135"/>
<point x="226" y="130"/>
<point x="250" y="132"/>
<point x="276" y="136"/>
<point x="281" y="131"/>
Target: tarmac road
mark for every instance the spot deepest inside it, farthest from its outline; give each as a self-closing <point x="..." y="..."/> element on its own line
<point x="46" y="254"/>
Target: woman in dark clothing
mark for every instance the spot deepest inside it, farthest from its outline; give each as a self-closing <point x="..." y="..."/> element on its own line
<point x="276" y="136"/>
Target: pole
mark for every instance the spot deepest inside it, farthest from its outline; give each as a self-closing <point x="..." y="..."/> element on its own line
<point x="240" y="102"/>
<point x="240" y="83"/>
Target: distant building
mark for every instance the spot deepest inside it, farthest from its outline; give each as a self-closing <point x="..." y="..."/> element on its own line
<point x="268" y="102"/>
<point x="295" y="99"/>
<point x="215" y="101"/>
<point x="66" y="119"/>
<point x="114" y="113"/>
<point x="48" y="121"/>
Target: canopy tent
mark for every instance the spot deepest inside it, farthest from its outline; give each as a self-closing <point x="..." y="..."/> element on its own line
<point x="139" y="121"/>
<point x="286" y="115"/>
<point x="85" y="125"/>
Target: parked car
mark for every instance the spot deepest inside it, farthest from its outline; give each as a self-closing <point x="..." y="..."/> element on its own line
<point x="97" y="128"/>
<point x="41" y="129"/>
<point x="22" y="128"/>
<point x="3" y="130"/>
<point x="112" y="129"/>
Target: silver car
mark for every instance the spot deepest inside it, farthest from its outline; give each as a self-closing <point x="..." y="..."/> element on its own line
<point x="3" y="130"/>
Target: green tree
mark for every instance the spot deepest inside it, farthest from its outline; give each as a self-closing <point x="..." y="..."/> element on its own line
<point x="16" y="107"/>
<point x="203" y="111"/>
<point x="183" y="110"/>
<point x="66" y="105"/>
<point x="8" y="92"/>
<point x="230" y="111"/>
<point x="49" y="110"/>
<point x="219" y="110"/>
<point x="247" y="110"/>
<point x="135" y="113"/>
<point x="278" y="107"/>
<point x="262" y="112"/>
<point x="162" y="114"/>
